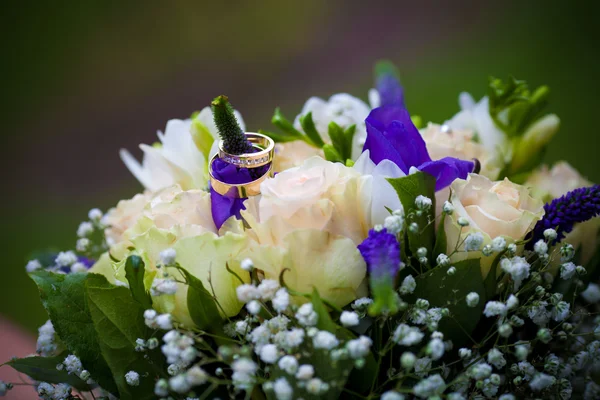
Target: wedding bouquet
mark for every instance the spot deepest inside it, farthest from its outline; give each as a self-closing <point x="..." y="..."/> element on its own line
<point x="353" y="252"/>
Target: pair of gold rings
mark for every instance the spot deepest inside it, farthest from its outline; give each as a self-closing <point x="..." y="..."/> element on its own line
<point x="263" y="156"/>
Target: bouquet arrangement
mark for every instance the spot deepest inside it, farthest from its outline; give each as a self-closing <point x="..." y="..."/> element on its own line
<point x="351" y="253"/>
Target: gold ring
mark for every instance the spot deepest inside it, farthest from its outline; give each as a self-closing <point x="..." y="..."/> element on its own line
<point x="238" y="190"/>
<point x="263" y="156"/>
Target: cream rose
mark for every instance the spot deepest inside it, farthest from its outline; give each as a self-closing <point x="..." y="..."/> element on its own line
<point x="293" y="154"/>
<point x="305" y="215"/>
<point x="548" y="184"/>
<point x="494" y="209"/>
<point x="124" y="216"/>
<point x="182" y="220"/>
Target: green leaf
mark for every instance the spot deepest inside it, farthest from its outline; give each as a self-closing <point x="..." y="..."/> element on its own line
<point x="202" y="137"/>
<point x="309" y="128"/>
<point x="443" y="290"/>
<point x="331" y="154"/>
<point x="339" y="141"/>
<point x="64" y="298"/>
<point x="279" y="137"/>
<point x="43" y="369"/>
<point x="280" y="121"/>
<point x="201" y="304"/>
<point x="325" y="323"/>
<point x="490" y="283"/>
<point x="134" y="272"/>
<point x="408" y="188"/>
<point x="119" y="321"/>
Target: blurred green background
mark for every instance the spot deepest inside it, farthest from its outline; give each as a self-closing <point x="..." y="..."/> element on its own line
<point x="83" y="79"/>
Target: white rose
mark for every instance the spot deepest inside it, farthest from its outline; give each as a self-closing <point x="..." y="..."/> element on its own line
<point x="548" y="184"/>
<point x="124" y="216"/>
<point x="343" y="109"/>
<point x="494" y="209"/>
<point x="293" y="154"/>
<point x="181" y="157"/>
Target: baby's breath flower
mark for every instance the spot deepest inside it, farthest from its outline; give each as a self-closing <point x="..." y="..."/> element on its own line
<point x="423" y="202"/>
<point x="33" y="265"/>
<point x="73" y="364"/>
<point x="494" y="308"/>
<point x="95" y="214"/>
<point x="505" y="330"/>
<point x="179" y="384"/>
<point x="305" y="372"/>
<point x="247" y="292"/>
<point x="391" y="395"/>
<point x="85" y="229"/>
<point x="498" y="244"/>
<point x="161" y="388"/>
<point x="544" y="335"/>
<point x="512" y="302"/>
<point x="567" y="270"/>
<point x="413" y="227"/>
<point x="451" y="271"/>
<point x="247" y="264"/>
<point x="407" y="360"/>
<point x="349" y="318"/>
<point x="283" y="390"/>
<point x="406" y="335"/>
<point x="443" y="260"/>
<point x="65" y="259"/>
<point x="82" y="245"/>
<point x="306" y="316"/>
<point x="550" y="234"/>
<point x="359" y="348"/>
<point x="560" y="311"/>
<point x="496" y="358"/>
<point x="462" y="221"/>
<point x="281" y="300"/>
<point x="288" y="364"/>
<point x="540" y="247"/>
<point x="541" y="381"/>
<point x="167" y="256"/>
<point x="132" y="378"/>
<point x="325" y="340"/>
<point x="164" y="321"/>
<point x="429" y="387"/>
<point x="163" y="287"/>
<point x="267" y="289"/>
<point x="473" y="241"/>
<point x="448" y="208"/>
<point x="435" y="349"/>
<point x="253" y="307"/>
<point x="394" y="224"/>
<point x="480" y="371"/>
<point x="518" y="268"/>
<point x="472" y="299"/>
<point x="408" y="285"/>
<point x="269" y="353"/>
<point x="567" y="251"/>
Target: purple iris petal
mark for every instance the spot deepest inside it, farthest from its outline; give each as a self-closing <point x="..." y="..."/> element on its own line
<point x="390" y="90"/>
<point x="391" y="135"/>
<point x="381" y="252"/>
<point x="446" y="170"/>
<point x="223" y="207"/>
<point x="400" y="136"/>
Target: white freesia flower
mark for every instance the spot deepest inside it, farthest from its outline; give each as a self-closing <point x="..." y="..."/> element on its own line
<point x="476" y="117"/>
<point x="181" y="157"/>
<point x="343" y="109"/>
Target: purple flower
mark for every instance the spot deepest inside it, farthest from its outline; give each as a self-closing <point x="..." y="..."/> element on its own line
<point x="381" y="252"/>
<point x="390" y="90"/>
<point x="391" y="135"/>
<point x="562" y="213"/>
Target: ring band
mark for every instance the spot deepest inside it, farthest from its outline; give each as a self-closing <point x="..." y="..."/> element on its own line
<point x="263" y="156"/>
<point x="238" y="190"/>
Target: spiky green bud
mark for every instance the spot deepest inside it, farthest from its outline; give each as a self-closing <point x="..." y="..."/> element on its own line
<point x="234" y="140"/>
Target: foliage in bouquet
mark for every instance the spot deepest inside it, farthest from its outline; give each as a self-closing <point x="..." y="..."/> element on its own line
<point x="381" y="261"/>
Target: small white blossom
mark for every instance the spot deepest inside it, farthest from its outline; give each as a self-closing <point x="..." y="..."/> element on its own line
<point x="443" y="260"/>
<point x="283" y="390"/>
<point x="85" y="229"/>
<point x="494" y="308"/>
<point x="521" y="352"/>
<point x="179" y="384"/>
<point x="281" y="300"/>
<point x="560" y="311"/>
<point x="288" y="364"/>
<point x="168" y="256"/>
<point x="244" y="370"/>
<point x="394" y="224"/>
<point x="305" y="372"/>
<point x="306" y="316"/>
<point x="429" y="387"/>
<point x="65" y="259"/>
<point x="505" y="330"/>
<point x="538" y="313"/>
<point x="269" y="353"/>
<point x="550" y="234"/>
<point x="260" y="336"/>
<point x="278" y="323"/>
<point x="247" y="292"/>
<point x="247" y="264"/>
<point x="408" y="285"/>
<point x="95" y="214"/>
<point x="290" y="339"/>
<point x="567" y="270"/>
<point x="61" y="391"/>
<point x="406" y="335"/>
<point x="436" y="349"/>
<point x="163" y="287"/>
<point x="423" y="202"/>
<point x="512" y="302"/>
<point x="73" y="365"/>
<point x="496" y="358"/>
<point x="448" y="208"/>
<point x="164" y="321"/>
<point x="391" y="395"/>
<point x="349" y="318"/>
<point x="451" y="271"/>
<point x="82" y="245"/>
<point x="518" y="268"/>
<point x="473" y="241"/>
<point x="46" y="344"/>
<point x="196" y="376"/>
<point x="540" y="247"/>
<point x="407" y="360"/>
<point x="464" y="353"/>
<point x="325" y="340"/>
<point x="132" y="378"/>
<point x="33" y="265"/>
<point x="541" y="381"/>
<point x="253" y="307"/>
<point x="267" y="289"/>
<point x="362" y="303"/>
<point x="480" y="371"/>
<point x="161" y="388"/>
<point x="316" y="386"/>
<point x="359" y="348"/>
<point x="472" y="299"/>
<point x="498" y="244"/>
